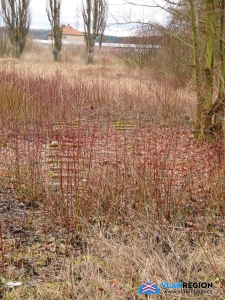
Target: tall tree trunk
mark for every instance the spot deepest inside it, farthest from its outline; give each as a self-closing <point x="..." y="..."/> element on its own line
<point x="53" y="13"/>
<point x="218" y="108"/>
<point x="94" y="16"/>
<point x="210" y="34"/>
<point x="56" y="54"/>
<point x="14" y="35"/>
<point x="203" y="121"/>
<point x="90" y="54"/>
<point x="222" y="49"/>
<point x="220" y="124"/>
<point x="17" y="48"/>
<point x="55" y="51"/>
<point x="89" y="37"/>
<point x="197" y="68"/>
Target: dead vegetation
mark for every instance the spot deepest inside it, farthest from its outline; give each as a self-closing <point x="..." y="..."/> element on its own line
<point x="103" y="185"/>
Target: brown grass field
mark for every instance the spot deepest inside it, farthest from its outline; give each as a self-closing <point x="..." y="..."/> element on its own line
<point x="102" y="183"/>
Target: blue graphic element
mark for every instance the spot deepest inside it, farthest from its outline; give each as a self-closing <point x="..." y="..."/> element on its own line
<point x="174" y="285"/>
<point x="149" y="288"/>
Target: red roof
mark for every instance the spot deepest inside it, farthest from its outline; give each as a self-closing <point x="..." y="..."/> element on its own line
<point x="68" y="30"/>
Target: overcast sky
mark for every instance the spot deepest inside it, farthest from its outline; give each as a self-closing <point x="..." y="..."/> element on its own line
<point x="71" y="14"/>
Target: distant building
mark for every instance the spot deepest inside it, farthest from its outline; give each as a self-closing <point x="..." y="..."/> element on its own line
<point x="69" y="34"/>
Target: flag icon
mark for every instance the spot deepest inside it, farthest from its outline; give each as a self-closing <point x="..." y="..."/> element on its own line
<point x="149" y="288"/>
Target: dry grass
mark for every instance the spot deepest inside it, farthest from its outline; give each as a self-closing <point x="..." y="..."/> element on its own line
<point x="102" y="183"/>
<point x="114" y="262"/>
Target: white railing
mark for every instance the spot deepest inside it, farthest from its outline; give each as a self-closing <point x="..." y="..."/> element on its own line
<point x="113" y="45"/>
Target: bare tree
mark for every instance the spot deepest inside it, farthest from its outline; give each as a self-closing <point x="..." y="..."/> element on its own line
<point x="205" y="18"/>
<point x="17" y="17"/>
<point x="53" y="13"/>
<point x="94" y="15"/>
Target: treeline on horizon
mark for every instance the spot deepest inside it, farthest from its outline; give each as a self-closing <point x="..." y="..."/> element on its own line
<point x="42" y="34"/>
